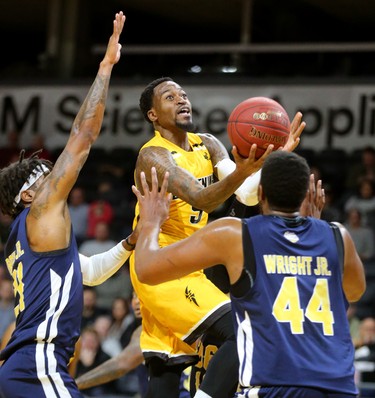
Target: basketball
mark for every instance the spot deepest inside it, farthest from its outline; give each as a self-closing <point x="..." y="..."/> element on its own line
<point x="258" y="120"/>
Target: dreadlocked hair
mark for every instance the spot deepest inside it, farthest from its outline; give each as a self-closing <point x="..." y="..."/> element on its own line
<point x="14" y="176"/>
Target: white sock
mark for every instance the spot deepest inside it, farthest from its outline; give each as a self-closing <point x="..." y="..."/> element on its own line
<point x="201" y="394"/>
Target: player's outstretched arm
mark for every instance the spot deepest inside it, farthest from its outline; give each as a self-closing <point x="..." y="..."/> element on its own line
<point x="88" y="122"/>
<point x="49" y="216"/>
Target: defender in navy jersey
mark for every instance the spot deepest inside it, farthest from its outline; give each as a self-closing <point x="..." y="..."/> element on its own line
<point x="291" y="279"/>
<point x="42" y="257"/>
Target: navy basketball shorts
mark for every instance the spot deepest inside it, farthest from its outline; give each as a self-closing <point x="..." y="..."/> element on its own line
<point x="32" y="372"/>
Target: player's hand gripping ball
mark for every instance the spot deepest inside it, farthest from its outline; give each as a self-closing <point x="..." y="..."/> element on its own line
<point x="258" y="120"/>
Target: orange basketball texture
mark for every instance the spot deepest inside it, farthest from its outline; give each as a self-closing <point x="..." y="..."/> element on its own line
<point x="258" y="120"/>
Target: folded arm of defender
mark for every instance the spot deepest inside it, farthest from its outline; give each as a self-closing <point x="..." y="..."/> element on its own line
<point x="98" y="268"/>
<point x="247" y="193"/>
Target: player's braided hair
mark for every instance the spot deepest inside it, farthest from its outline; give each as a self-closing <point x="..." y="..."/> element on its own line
<point x="285" y="180"/>
<point x="14" y="176"/>
<point x="147" y="96"/>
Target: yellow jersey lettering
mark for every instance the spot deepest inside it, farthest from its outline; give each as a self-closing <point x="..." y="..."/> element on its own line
<point x="304" y="265"/>
<point x="322" y="267"/>
<point x="17" y="275"/>
<point x="270" y="263"/>
<point x="19" y="250"/>
<point x="294" y="265"/>
<point x="10" y="260"/>
<point x="280" y="262"/>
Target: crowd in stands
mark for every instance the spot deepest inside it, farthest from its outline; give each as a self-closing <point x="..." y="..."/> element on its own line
<point x="102" y="208"/>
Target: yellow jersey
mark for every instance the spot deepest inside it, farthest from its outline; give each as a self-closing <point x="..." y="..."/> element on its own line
<point x="176" y="313"/>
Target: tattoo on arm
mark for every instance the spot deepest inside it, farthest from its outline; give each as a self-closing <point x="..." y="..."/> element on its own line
<point x="96" y="96"/>
<point x="215" y="147"/>
<point x="181" y="182"/>
<point x="100" y="375"/>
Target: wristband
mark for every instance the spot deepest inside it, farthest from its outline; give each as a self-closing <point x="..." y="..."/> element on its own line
<point x="247" y="193"/>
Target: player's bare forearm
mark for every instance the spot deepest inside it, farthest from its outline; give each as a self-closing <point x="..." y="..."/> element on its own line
<point x="204" y="198"/>
<point x="104" y="373"/>
<point x="184" y="185"/>
<point x="89" y="118"/>
<point x="85" y="130"/>
<point x="112" y="369"/>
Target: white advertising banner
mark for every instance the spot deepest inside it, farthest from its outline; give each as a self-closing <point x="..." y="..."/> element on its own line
<point x="337" y="116"/>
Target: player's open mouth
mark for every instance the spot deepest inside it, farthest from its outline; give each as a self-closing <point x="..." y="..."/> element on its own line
<point x="184" y="110"/>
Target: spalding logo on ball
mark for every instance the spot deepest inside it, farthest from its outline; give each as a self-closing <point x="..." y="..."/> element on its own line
<point x="258" y="120"/>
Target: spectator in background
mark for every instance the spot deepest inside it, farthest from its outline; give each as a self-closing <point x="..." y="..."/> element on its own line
<point x="102" y="324"/>
<point x="365" y="351"/>
<point x="100" y="210"/>
<point x="115" y="194"/>
<point x="366" y="332"/>
<point x="118" y="284"/>
<point x="119" y="334"/>
<point x="122" y="326"/>
<point x="92" y="355"/>
<point x="354" y="321"/>
<point x="364" y="169"/>
<point x="91" y="310"/>
<point x="364" y="202"/>
<point x="6" y="305"/>
<point x="11" y="150"/>
<point x="79" y="213"/>
<point x="101" y="241"/>
<point x="363" y="236"/>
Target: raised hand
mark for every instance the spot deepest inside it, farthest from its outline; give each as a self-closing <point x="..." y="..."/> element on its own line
<point x="113" y="52"/>
<point x="250" y="165"/>
<point x="315" y="199"/>
<point x="296" y="128"/>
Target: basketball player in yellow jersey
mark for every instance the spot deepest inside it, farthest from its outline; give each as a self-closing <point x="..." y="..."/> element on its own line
<point x="201" y="177"/>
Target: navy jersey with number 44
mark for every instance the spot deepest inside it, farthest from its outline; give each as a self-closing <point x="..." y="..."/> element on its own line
<point x="292" y="328"/>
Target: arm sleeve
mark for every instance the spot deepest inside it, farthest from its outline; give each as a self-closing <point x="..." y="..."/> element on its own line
<point x="98" y="268"/>
<point x="247" y="193"/>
